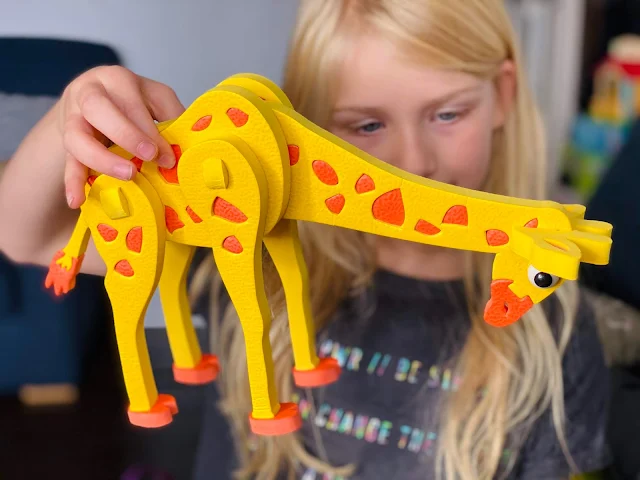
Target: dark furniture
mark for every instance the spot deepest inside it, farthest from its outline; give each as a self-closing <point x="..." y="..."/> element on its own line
<point x="44" y="339"/>
<point x="45" y="66"/>
<point x="617" y="200"/>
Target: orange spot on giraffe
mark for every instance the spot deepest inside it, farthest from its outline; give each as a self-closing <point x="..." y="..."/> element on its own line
<point x="325" y="172"/>
<point x="232" y="244"/>
<point x="495" y="237"/>
<point x="91" y="179"/>
<point x="533" y="223"/>
<point x="123" y="267"/>
<point x="335" y="203"/>
<point x="427" y="228"/>
<point x="389" y="207"/>
<point x="202" y="123"/>
<point x="224" y="209"/>
<point x="294" y="154"/>
<point x="134" y="239"/>
<point x="171" y="174"/>
<point x="456" y="215"/>
<point x="107" y="232"/>
<point x="172" y="220"/>
<point x="237" y="116"/>
<point x="365" y="184"/>
<point x="194" y="216"/>
<point x="137" y="162"/>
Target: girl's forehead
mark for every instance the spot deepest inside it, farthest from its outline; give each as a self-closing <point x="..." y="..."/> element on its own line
<point x="372" y="65"/>
<point x="376" y="56"/>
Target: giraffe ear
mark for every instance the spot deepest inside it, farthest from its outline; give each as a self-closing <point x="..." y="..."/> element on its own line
<point x="505" y="84"/>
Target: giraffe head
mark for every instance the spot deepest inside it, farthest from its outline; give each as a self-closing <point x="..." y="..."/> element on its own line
<point x="537" y="262"/>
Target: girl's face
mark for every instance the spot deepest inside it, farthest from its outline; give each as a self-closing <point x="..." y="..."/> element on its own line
<point x="433" y="123"/>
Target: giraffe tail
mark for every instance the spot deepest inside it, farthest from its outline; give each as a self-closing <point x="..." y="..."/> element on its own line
<point x="66" y="263"/>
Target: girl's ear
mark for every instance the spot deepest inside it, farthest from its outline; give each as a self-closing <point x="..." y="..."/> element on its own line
<point x="505" y="83"/>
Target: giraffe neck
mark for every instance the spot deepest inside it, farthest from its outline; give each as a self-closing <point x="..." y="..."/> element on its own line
<point x="334" y="183"/>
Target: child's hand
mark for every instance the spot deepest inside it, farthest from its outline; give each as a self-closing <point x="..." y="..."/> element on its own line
<point x="112" y="103"/>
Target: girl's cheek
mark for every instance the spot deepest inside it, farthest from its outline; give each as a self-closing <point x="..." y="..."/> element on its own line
<point x="372" y="144"/>
<point x="469" y="157"/>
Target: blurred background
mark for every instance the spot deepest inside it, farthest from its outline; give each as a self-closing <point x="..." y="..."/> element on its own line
<point x="61" y="395"/>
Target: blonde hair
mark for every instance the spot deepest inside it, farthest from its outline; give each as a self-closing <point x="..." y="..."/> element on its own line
<point x="510" y="375"/>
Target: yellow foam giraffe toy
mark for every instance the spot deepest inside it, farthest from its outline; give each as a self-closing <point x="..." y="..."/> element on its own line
<point x="249" y="167"/>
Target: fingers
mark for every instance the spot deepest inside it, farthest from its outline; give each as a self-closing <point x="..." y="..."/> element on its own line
<point x="79" y="140"/>
<point x="112" y="103"/>
<point x="75" y="176"/>
<point x="143" y="100"/>
<point x="161" y="99"/>
<point x="100" y="111"/>
<point x="138" y="112"/>
<point x="126" y="90"/>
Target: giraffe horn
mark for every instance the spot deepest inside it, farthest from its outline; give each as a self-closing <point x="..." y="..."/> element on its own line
<point x="574" y="211"/>
<point x="594" y="226"/>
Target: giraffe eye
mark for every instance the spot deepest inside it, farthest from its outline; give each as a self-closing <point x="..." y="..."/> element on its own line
<point x="541" y="279"/>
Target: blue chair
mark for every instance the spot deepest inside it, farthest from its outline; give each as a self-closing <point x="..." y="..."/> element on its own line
<point x="44" y="339"/>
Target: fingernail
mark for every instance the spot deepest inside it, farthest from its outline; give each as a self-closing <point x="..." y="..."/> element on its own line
<point x="123" y="171"/>
<point x="166" y="160"/>
<point x="70" y="200"/>
<point x="147" y="151"/>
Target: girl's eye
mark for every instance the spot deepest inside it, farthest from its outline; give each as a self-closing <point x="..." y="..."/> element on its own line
<point x="447" y="117"/>
<point x="370" y="127"/>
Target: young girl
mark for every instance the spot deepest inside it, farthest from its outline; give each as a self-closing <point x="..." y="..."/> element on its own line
<point x="428" y="389"/>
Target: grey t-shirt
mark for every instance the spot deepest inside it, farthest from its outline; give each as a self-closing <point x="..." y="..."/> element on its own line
<point x="396" y="345"/>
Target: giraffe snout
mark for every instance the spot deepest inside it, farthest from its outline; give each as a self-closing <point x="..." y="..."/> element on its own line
<point x="505" y="307"/>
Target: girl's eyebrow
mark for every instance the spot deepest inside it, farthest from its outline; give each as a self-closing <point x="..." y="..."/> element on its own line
<point x="373" y="111"/>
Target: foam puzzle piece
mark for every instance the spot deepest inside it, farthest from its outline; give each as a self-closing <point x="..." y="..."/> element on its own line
<point x="114" y="203"/>
<point x="248" y="169"/>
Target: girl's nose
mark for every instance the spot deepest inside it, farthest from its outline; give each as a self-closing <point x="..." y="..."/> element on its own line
<point x="415" y="156"/>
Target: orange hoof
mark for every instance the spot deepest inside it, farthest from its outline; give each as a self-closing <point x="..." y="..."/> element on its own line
<point x="326" y="372"/>
<point x="206" y="371"/>
<point x="161" y="413"/>
<point x="287" y="420"/>
<point x="61" y="279"/>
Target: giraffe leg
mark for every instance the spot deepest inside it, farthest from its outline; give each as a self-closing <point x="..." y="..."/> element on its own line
<point x="147" y="408"/>
<point x="285" y="250"/>
<point x="127" y="224"/>
<point x="226" y="186"/>
<point x="190" y="365"/>
<point x="242" y="253"/>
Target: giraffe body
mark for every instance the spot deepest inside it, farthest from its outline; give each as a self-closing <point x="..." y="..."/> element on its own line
<point x="249" y="167"/>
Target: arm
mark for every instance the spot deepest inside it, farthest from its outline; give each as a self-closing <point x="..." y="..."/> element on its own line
<point x="35" y="221"/>
<point x="43" y="184"/>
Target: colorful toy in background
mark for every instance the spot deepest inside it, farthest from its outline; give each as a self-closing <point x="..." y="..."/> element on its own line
<point x="249" y="167"/>
<point x="599" y="134"/>
<point x="616" y="97"/>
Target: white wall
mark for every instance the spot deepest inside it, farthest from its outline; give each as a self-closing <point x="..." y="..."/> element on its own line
<point x="551" y="36"/>
<point x="190" y="45"/>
